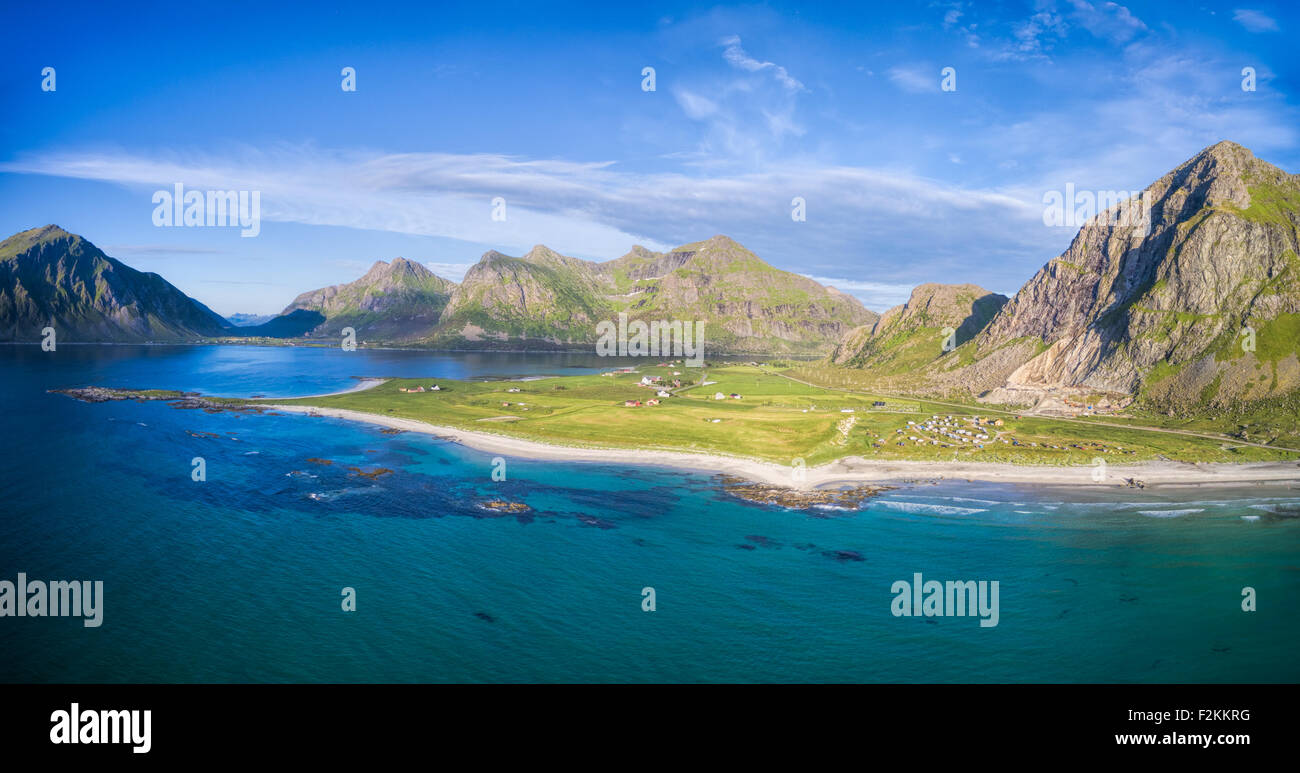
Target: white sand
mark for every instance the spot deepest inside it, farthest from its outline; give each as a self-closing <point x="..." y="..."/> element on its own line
<point x="361" y="386"/>
<point x="844" y="471"/>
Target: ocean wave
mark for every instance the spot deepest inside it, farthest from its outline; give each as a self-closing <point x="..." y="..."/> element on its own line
<point x="955" y="499"/>
<point x="1170" y="513"/>
<point x="921" y="508"/>
<point x="1250" y="518"/>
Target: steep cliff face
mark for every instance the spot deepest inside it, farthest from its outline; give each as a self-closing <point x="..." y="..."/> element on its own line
<point x="549" y="299"/>
<point x="49" y="277"/>
<point x="1162" y="312"/>
<point x="542" y="298"/>
<point x="394" y="301"/>
<point x="906" y="338"/>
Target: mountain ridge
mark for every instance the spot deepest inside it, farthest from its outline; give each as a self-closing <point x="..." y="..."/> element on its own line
<point x="52" y="278"/>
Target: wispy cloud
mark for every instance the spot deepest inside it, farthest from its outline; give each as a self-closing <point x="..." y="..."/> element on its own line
<point x="1255" y="21"/>
<point x="874" y="295"/>
<point x="915" y="79"/>
<point x="1109" y="21"/>
<point x="156" y="250"/>
<point x="737" y="57"/>
<point x="591" y="210"/>
<point x="1036" y="37"/>
<point x="453" y="271"/>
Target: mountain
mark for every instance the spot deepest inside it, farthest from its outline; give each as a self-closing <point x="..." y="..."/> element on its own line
<point x="548" y="299"/>
<point x="1202" y="311"/>
<point x="248" y="320"/>
<point x="296" y="324"/>
<point x="542" y="298"/>
<point x="394" y="301"/>
<point x="911" y="336"/>
<point x="49" y="277"/>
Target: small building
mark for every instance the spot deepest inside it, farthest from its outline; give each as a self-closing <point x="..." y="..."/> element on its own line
<point x="719" y="396"/>
<point x="652" y="401"/>
<point x="663" y="393"/>
<point x="735" y="396"/>
<point x="632" y="403"/>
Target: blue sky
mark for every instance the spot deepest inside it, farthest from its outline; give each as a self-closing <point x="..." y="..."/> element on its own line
<point x="754" y="105"/>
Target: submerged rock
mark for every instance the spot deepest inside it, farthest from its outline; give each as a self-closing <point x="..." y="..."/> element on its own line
<point x="502" y="506"/>
<point x="369" y="474"/>
<point x="800" y="499"/>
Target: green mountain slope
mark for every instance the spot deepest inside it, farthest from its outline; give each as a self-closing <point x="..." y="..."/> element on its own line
<point x="550" y="300"/>
<point x="395" y="301"/>
<point x="49" y="277"/>
<point x="909" y="337"/>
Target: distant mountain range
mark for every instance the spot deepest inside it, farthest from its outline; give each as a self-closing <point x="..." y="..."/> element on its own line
<point x="248" y="320"/>
<point x="542" y="300"/>
<point x="1200" y="306"/>
<point x="553" y="301"/>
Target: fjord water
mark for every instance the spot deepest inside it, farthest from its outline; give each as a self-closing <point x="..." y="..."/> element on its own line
<point x="238" y="578"/>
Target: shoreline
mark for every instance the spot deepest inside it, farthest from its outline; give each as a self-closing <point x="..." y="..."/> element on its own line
<point x="363" y="383"/>
<point x="849" y="470"/>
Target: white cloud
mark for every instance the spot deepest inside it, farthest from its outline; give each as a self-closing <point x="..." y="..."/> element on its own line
<point x="736" y="55"/>
<point x="916" y="79"/>
<point x="1109" y="21"/>
<point x="453" y="271"/>
<point x="877" y="296"/>
<point x="591" y="210"/>
<point x="695" y="106"/>
<point x="1254" y="21"/>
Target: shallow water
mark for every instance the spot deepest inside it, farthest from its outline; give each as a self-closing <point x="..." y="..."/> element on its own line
<point x="238" y="578"/>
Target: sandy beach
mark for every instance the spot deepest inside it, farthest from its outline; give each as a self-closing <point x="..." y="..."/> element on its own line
<point x="850" y="470"/>
<point x="362" y="385"/>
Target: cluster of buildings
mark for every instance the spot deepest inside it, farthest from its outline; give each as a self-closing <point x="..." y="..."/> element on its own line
<point x="432" y="388"/>
<point x="971" y="431"/>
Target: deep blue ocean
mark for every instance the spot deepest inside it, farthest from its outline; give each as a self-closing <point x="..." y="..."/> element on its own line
<point x="238" y="578"/>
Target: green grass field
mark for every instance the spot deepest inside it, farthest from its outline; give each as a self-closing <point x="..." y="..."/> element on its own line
<point x="776" y="420"/>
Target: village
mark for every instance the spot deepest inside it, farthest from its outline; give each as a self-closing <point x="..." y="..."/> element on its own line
<point x="977" y="433"/>
<point x="867" y="420"/>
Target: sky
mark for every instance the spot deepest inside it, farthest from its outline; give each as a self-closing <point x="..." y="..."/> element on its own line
<point x="903" y="178"/>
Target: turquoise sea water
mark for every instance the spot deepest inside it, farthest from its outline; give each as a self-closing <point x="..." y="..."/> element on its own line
<point x="238" y="578"/>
